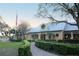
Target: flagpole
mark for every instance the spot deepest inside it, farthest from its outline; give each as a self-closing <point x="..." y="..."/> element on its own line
<point x="16" y="19"/>
<point x="16" y="25"/>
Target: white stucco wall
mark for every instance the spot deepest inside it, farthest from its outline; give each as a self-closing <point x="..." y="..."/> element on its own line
<point x="59" y="37"/>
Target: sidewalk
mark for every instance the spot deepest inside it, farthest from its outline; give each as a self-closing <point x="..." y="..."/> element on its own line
<point x="39" y="52"/>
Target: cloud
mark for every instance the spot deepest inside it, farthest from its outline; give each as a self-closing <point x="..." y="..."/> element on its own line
<point x="36" y="22"/>
<point x="33" y="22"/>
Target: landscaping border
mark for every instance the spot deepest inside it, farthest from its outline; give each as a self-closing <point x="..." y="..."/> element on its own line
<point x="61" y="48"/>
<point x="24" y="50"/>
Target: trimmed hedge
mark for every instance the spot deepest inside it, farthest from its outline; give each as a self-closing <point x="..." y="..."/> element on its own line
<point x="24" y="50"/>
<point x="69" y="41"/>
<point x="31" y="40"/>
<point x="15" y="40"/>
<point x="61" y="48"/>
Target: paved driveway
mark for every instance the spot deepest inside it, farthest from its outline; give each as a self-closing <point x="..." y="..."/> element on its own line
<point x="8" y="51"/>
<point x="39" y="52"/>
<point x="4" y="39"/>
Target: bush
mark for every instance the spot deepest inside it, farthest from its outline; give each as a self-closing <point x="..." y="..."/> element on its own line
<point x="14" y="40"/>
<point x="69" y="41"/>
<point x="24" y="50"/>
<point x="31" y="40"/>
<point x="61" y="48"/>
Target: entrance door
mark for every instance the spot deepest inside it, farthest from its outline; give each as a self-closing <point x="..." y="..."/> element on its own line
<point x="43" y="36"/>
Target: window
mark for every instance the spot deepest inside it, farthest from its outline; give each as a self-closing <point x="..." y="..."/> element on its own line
<point x="50" y="36"/>
<point x="43" y="36"/>
<point x="57" y="35"/>
<point x="67" y="36"/>
<point x="53" y="36"/>
<point x="35" y="36"/>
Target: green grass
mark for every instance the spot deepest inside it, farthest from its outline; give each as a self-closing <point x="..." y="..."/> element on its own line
<point x="14" y="44"/>
<point x="11" y="44"/>
<point x="23" y="47"/>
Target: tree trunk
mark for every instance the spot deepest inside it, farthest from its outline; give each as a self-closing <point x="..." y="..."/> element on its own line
<point x="78" y="19"/>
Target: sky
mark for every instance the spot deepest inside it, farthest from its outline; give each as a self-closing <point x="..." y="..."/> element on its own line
<point x="26" y="13"/>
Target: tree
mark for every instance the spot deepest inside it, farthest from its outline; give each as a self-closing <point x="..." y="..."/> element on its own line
<point x="43" y="26"/>
<point x="12" y="31"/>
<point x="3" y="26"/>
<point x="68" y="9"/>
<point x="22" y="29"/>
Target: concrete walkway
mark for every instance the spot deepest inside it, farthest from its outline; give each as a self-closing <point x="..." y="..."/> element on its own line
<point x="8" y="51"/>
<point x="39" y="52"/>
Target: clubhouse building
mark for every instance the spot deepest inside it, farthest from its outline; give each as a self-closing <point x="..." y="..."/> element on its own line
<point x="61" y="30"/>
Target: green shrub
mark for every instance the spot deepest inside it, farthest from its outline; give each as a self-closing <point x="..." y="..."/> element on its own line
<point x="69" y="41"/>
<point x="24" y="50"/>
<point x="31" y="40"/>
<point x="61" y="48"/>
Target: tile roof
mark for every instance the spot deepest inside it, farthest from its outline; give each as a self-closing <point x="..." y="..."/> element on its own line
<point x="55" y="26"/>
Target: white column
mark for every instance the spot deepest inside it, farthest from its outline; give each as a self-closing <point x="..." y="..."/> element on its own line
<point x="71" y="35"/>
<point x="39" y="36"/>
<point x="31" y="37"/>
<point x="47" y="37"/>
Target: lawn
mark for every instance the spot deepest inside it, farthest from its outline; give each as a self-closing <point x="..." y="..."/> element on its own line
<point x="10" y="44"/>
<point x="15" y="48"/>
<point x="14" y="44"/>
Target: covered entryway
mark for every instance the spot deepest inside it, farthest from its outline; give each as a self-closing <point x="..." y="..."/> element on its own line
<point x="74" y="35"/>
<point x="43" y="36"/>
